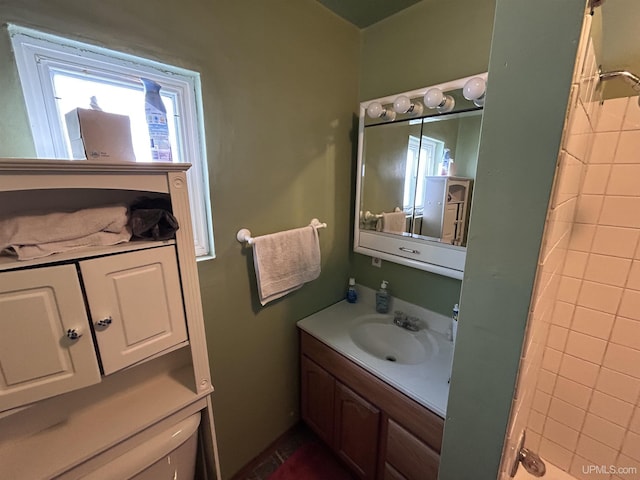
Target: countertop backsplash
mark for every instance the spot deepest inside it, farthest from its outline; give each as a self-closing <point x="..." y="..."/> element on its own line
<point x="434" y="321"/>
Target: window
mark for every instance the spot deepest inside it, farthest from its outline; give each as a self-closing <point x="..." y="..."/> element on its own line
<point x="421" y="163"/>
<point x="59" y="75"/>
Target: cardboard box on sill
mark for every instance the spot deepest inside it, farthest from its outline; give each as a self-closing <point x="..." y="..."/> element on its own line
<point x="100" y="136"/>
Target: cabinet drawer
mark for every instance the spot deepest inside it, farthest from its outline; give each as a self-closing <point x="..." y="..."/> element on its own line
<point x="37" y="359"/>
<point x="140" y="292"/>
<point x="409" y="456"/>
<point x="391" y="473"/>
<point x="421" y="250"/>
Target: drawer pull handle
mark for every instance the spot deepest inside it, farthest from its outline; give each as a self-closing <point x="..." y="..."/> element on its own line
<point x="105" y="322"/>
<point x="409" y="250"/>
<point x="73" y="334"/>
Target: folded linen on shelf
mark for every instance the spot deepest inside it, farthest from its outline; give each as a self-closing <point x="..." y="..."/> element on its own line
<point x="39" y="235"/>
<point x="394" y="222"/>
<point x="285" y="261"/>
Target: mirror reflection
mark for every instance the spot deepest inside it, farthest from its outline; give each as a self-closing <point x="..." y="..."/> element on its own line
<point x="417" y="176"/>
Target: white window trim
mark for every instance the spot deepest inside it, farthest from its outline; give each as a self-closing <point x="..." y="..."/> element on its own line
<point x="37" y="54"/>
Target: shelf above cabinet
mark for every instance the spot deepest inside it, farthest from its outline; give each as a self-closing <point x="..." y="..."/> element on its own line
<point x="8" y="262"/>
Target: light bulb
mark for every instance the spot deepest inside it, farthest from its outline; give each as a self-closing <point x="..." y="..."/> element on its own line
<point x="402" y="104"/>
<point x="474" y="90"/>
<point x="374" y="110"/>
<point x="434" y="98"/>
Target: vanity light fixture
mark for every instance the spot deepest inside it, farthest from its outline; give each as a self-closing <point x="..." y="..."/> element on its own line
<point x="376" y="110"/>
<point x="434" y="98"/>
<point x="475" y="90"/>
<point x="403" y="104"/>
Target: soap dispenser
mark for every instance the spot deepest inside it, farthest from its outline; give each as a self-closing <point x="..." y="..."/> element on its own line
<point x="352" y="293"/>
<point x="382" y="298"/>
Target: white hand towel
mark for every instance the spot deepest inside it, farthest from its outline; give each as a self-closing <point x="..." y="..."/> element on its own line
<point x="285" y="261"/>
<point x="394" y="222"/>
<point x="35" y="236"/>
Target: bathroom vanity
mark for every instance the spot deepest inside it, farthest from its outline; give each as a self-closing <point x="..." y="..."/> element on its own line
<point x="379" y="404"/>
<point x="100" y="347"/>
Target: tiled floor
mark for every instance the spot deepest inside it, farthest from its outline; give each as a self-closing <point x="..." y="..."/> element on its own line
<point x="282" y="450"/>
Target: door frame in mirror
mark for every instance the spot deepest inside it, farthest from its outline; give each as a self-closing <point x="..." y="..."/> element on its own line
<point x="431" y="256"/>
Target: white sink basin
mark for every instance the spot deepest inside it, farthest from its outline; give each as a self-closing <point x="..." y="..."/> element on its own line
<point x="380" y="337"/>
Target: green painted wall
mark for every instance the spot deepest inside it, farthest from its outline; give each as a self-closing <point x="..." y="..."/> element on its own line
<point x="534" y="47"/>
<point x="426" y="44"/>
<point x="362" y="16"/>
<point x="278" y="156"/>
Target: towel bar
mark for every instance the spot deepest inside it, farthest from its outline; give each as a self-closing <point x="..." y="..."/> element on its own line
<point x="371" y="216"/>
<point x="244" y="235"/>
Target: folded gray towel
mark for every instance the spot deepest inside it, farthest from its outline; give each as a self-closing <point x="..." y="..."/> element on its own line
<point x="35" y="236"/>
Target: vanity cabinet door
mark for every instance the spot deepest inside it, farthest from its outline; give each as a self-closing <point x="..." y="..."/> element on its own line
<point x="141" y="295"/>
<point x="317" y="387"/>
<point x="356" y="431"/>
<point x="37" y="357"/>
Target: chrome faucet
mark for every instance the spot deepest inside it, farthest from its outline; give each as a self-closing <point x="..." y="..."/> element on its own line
<point x="409" y="323"/>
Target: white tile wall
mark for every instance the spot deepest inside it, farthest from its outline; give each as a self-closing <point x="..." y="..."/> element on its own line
<point x="583" y="381"/>
<point x="593" y="413"/>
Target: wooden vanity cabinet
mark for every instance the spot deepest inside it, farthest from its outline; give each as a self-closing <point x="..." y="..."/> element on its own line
<point x="379" y="432"/>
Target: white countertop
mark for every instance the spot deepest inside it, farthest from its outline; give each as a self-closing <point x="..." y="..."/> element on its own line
<point x="427" y="383"/>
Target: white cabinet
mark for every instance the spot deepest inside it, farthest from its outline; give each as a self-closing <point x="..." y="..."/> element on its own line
<point x="37" y="358"/>
<point x="46" y="345"/>
<point x="136" y="356"/>
<point x="446" y="209"/>
<point x="136" y="305"/>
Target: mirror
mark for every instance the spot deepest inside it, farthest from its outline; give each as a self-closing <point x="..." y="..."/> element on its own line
<point x="417" y="170"/>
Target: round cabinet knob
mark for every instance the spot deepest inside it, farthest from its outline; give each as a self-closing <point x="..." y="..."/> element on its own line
<point x="73" y="334"/>
<point x="105" y="322"/>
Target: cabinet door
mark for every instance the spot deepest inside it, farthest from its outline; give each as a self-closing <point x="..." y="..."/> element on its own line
<point x="449" y="223"/>
<point x="410" y="457"/>
<point x="317" y="387"/>
<point x="140" y="292"/>
<point x="433" y="207"/>
<point x="356" y="431"/>
<point x="37" y="358"/>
